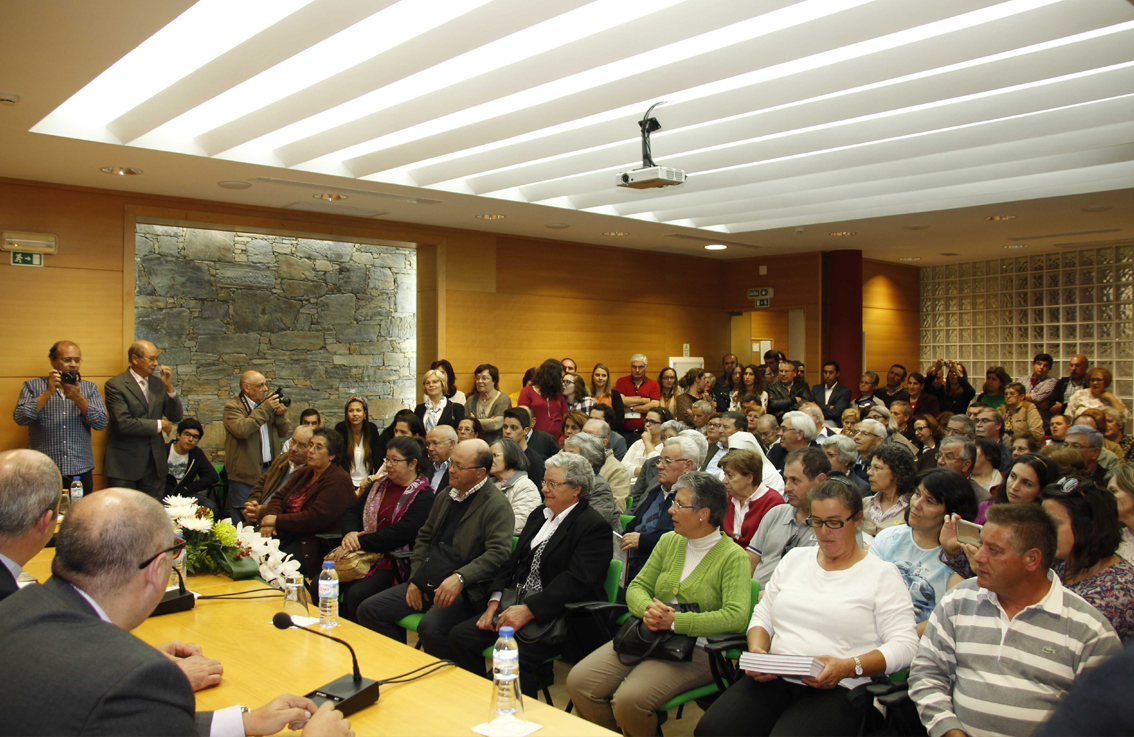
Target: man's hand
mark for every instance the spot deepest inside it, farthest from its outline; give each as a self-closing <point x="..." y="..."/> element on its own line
<point x="276" y="405"/>
<point x="515" y="617"/>
<point x="166" y="426"/>
<point x="178" y="649"/>
<point x="166" y="374"/>
<point x="251" y="511"/>
<point x="287" y="710"/>
<point x="837" y="669"/>
<point x="630" y="540"/>
<point x="202" y="672"/>
<point x="413" y="597"/>
<point x="327" y="722"/>
<point x="485" y="621"/>
<point x="350" y="542"/>
<point x="53" y="381"/>
<point x="448" y="591"/>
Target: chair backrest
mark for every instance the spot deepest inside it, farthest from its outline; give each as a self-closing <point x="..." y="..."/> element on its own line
<point x="515" y="541"/>
<point x="613" y="578"/>
<point x="755" y="593"/>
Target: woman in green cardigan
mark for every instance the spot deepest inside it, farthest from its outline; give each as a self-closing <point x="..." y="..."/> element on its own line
<point x="693" y="564"/>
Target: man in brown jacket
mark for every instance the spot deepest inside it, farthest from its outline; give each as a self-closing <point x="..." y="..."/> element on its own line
<point x="254" y="423"/>
<point x="278" y="473"/>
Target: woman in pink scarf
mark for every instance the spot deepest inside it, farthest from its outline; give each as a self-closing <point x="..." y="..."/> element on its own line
<point x="385" y="518"/>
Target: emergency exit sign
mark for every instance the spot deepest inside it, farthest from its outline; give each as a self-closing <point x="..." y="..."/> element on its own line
<point x="20" y="258"/>
<point x="762" y="303"/>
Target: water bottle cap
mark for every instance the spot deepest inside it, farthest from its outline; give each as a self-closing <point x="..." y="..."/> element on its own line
<point x="328" y="564"/>
<point x="75" y="478"/>
<point x="507" y="632"/>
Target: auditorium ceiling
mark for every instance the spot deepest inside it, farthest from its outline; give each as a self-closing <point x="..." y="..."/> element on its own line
<point x="904" y="128"/>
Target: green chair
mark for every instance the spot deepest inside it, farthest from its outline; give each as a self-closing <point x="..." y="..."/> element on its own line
<point x="221" y="489"/>
<point x="610" y="587"/>
<point x="625" y="518"/>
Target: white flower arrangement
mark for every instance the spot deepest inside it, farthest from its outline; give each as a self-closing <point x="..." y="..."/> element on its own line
<point x="275" y="565"/>
<point x="209" y="542"/>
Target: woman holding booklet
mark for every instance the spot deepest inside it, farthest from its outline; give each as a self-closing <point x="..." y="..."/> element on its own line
<point x="848" y="611"/>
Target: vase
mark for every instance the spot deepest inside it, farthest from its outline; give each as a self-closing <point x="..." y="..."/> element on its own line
<point x="241" y="568"/>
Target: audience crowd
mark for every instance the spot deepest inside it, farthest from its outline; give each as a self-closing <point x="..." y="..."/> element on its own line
<point x="912" y="530"/>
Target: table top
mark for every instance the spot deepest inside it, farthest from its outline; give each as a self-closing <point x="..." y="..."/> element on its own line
<point x="261" y="662"/>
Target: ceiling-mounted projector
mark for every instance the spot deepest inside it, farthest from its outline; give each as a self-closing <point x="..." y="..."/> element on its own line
<point x="654" y="176"/>
<point x="650" y="176"/>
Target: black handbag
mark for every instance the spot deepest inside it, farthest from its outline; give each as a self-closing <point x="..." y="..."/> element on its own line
<point x="634" y="641"/>
<point x="549" y="633"/>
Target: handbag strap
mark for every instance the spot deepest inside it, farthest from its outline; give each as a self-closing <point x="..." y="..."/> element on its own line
<point x="649" y="651"/>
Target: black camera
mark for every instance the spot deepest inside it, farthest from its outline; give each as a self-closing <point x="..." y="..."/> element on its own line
<point x="278" y="394"/>
<point x="69" y="377"/>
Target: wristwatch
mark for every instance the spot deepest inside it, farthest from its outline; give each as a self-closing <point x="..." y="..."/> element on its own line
<point x="857" y="666"/>
<point x="460" y="578"/>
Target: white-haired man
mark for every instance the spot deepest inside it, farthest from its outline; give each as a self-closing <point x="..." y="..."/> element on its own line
<point x="639" y="394"/>
<point x="679" y="456"/>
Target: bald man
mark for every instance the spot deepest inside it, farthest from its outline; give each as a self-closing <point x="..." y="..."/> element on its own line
<point x="29" y="500"/>
<point x="254" y="425"/>
<point x="60" y="414"/>
<point x="143" y="405"/>
<point x="71" y="638"/>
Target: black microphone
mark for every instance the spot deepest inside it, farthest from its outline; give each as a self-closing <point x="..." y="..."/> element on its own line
<point x="349" y="693"/>
<point x="175" y="601"/>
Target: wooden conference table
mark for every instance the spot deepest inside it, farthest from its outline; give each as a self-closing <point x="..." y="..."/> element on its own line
<point x="261" y="662"/>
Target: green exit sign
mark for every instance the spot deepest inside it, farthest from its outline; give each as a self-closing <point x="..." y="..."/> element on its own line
<point x="19" y="258"/>
<point x="763" y="303"/>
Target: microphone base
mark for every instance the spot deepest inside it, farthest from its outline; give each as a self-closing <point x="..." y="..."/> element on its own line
<point x="347" y="696"/>
<point x="174" y="601"/>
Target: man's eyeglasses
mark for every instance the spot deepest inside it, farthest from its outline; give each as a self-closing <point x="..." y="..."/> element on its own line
<point x="191" y="435"/>
<point x="459" y="467"/>
<point x="154" y="557"/>
<point x="833" y="524"/>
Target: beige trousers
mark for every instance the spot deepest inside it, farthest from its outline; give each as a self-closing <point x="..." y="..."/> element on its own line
<point x="626" y="697"/>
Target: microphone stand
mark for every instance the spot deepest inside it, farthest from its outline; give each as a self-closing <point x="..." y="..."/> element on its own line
<point x="349" y="693"/>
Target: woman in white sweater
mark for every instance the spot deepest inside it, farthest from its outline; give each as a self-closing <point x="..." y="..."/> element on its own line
<point x="509" y="469"/>
<point x="835" y="603"/>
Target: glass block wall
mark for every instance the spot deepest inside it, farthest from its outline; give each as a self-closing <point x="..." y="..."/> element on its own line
<point x="1004" y="311"/>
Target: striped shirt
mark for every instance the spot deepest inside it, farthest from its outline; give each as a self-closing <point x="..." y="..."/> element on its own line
<point x="59" y="430"/>
<point x="981" y="672"/>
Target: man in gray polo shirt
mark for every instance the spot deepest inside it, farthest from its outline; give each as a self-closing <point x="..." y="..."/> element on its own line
<point x="784" y="526"/>
<point x="1003" y="649"/>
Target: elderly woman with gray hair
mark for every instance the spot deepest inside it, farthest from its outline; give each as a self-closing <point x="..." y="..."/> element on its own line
<point x="697" y="583"/>
<point x="836" y="603"/>
<point x="601" y="497"/>
<point x="842" y="452"/>
<point x="561" y="557"/>
<point x="510" y="472"/>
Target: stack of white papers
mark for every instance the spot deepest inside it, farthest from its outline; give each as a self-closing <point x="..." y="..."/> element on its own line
<point x="782" y="665"/>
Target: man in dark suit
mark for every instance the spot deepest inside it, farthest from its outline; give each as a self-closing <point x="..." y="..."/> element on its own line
<point x="678" y="456"/>
<point x="29" y="500"/>
<point x="562" y="556"/>
<point x="136" y="401"/>
<point x="71" y="637"/>
<point x="831" y="396"/>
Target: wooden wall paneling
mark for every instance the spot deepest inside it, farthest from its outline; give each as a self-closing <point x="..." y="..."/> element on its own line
<point x="707" y="330"/>
<point x="88" y="225"/>
<point x="891" y="315"/>
<point x="429" y="295"/>
<point x="771" y="325"/>
<point x="473" y="335"/>
<point x="471" y="263"/>
<point x="797" y="279"/>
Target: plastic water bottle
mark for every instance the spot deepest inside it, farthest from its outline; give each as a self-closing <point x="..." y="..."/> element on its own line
<point x="507" y="713"/>
<point x="328" y="596"/>
<point x="76" y="489"/>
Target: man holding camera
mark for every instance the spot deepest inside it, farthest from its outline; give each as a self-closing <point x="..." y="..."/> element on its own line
<point x="249" y="443"/>
<point x="60" y="410"/>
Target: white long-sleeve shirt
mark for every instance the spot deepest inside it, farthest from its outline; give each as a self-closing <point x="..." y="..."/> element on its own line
<point x="810" y="611"/>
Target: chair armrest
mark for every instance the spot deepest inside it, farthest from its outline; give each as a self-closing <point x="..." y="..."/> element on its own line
<point x="893" y="699"/>
<point x="329" y="535"/>
<point x="400" y="554"/>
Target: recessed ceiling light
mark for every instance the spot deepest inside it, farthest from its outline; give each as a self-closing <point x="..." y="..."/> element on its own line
<point x="8" y="99"/>
<point x="489" y="216"/>
<point x="1097" y="208"/>
<point x="234" y="184"/>
<point x="910" y="258"/>
<point x="915" y="227"/>
<point x="843" y="233"/>
<point x="998" y="218"/>
<point x="331" y="197"/>
<point x="122" y="171"/>
<point x="557" y="226"/>
<point x="617" y="232"/>
<point x="715" y="247"/>
<point x="1016" y="245"/>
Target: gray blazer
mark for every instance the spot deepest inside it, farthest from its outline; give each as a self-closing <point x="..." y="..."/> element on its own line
<point x="101" y="679"/>
<point x="134" y="433"/>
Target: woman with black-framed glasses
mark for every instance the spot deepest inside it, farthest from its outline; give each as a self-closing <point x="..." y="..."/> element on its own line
<point x="836" y="603"/>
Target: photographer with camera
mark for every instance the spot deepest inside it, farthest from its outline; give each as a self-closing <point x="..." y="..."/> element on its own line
<point x="60" y="410"/>
<point x="249" y="443"/>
